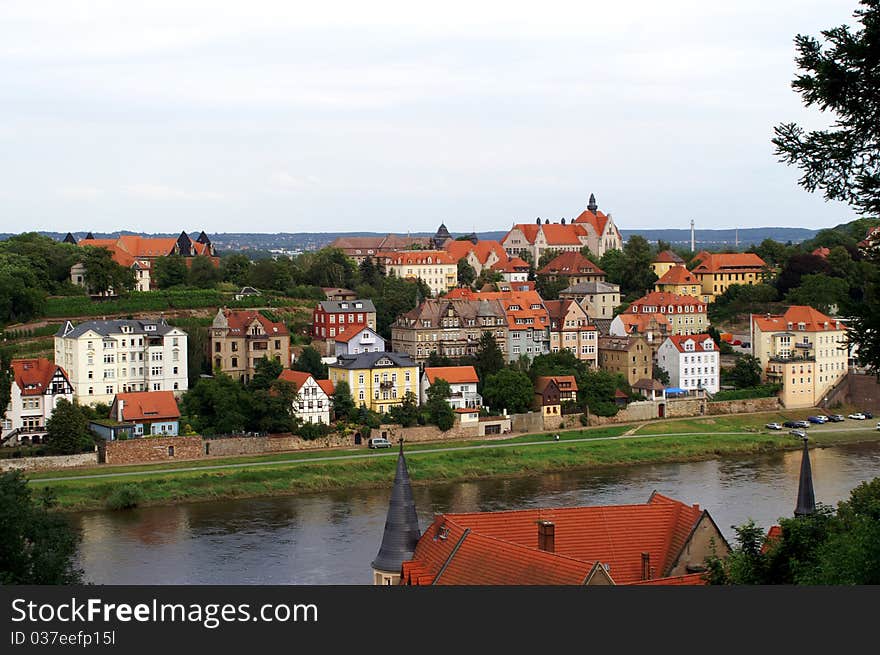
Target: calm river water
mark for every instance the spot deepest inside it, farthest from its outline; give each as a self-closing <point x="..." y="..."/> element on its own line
<point x="330" y="538"/>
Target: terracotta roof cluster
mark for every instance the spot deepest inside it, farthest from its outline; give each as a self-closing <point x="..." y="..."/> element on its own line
<point x="596" y="219"/>
<point x="240" y="320"/>
<point x="678" y="275"/>
<point x="465" y="307"/>
<point x="871" y="238"/>
<point x="419" y="258"/>
<point x="668" y="257"/>
<point x="512" y="265"/>
<point x="299" y="378"/>
<point x="661" y="302"/>
<point x="737" y="262"/>
<point x="389" y="243"/>
<point x="482" y="250"/>
<point x="128" y="248"/>
<point x="347" y="332"/>
<point x="570" y="264"/>
<point x="643" y="323"/>
<point x="622" y="344"/>
<point x="559" y="310"/>
<point x="146" y="406"/>
<point x="797" y="317"/>
<point x="701" y="342"/>
<point x="452" y="374"/>
<point x="523" y="309"/>
<point x="34" y="376"/>
<point x="625" y="544"/>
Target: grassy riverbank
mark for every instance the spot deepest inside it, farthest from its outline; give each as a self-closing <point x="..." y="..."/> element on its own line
<point x="292" y="473"/>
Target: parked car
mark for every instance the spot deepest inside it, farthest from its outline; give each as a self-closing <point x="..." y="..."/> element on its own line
<point x="817" y="419"/>
<point x="801" y="424"/>
<point x="790" y="424"/>
<point x="773" y="426"/>
<point x="798" y="433"/>
<point x="878" y="426"/>
<point x="858" y="416"/>
<point x="836" y="418"/>
<point x="379" y="442"/>
<point x="868" y="414"/>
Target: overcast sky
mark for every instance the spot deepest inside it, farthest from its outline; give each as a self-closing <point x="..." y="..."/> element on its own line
<point x="308" y="117"/>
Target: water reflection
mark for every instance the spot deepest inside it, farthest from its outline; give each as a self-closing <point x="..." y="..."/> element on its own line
<point x="331" y="538"/>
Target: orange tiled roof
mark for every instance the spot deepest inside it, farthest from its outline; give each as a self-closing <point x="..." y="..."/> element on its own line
<point x="813" y="320"/>
<point x="598" y="220"/>
<point x="350" y="331"/>
<point x="239" y="321"/>
<point x="452" y="374"/>
<point x="525" y="300"/>
<point x="700" y="339"/>
<point x="821" y="252"/>
<point x="564" y="382"/>
<point x="327" y="386"/>
<point x="558" y="310"/>
<point x="691" y="579"/>
<point x="678" y="275"/>
<point x="502" y="547"/>
<point x="668" y="257"/>
<point x="571" y="263"/>
<point x="512" y="265"/>
<point x="148" y="405"/>
<point x="737" y="262"/>
<point x="299" y="378"/>
<point x="529" y="230"/>
<point x="640" y="323"/>
<point x="33" y="376"/>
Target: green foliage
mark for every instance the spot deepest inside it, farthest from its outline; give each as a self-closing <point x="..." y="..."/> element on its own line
<point x="439" y="411"/>
<point x="309" y="361"/>
<point x="67" y="430"/>
<point x="217" y="405"/>
<point x="798" y="266"/>
<point x="169" y="271"/>
<point x="839" y="77"/>
<point x="723" y="347"/>
<point x="508" y="389"/>
<point x="820" y="291"/>
<point x="6" y="378"/>
<point x="742" y="299"/>
<point x="435" y="359"/>
<point x="312" y="431"/>
<point x="760" y="391"/>
<point x="488" y="358"/>
<point x="36" y="547"/>
<point x="597" y="389"/>
<point x="407" y="413"/>
<point x="127" y="496"/>
<point x="343" y="403"/>
<point x="466" y="273"/>
<point x="202" y="273"/>
<point x="546" y="257"/>
<point x="660" y="374"/>
<point x="550" y="289"/>
<point x="746" y="372"/>
<point x="235" y="268"/>
<point x="266" y="372"/>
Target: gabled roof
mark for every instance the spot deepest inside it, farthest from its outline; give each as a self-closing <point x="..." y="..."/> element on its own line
<point x="481" y="249"/>
<point x="502" y="547"/>
<point x="511" y="265"/>
<point x="813" y="320"/>
<point x="146" y="406"/>
<point x="347" y="306"/>
<point x="452" y="374"/>
<point x="702" y="342"/>
<point x="348" y="332"/>
<point x="557" y="234"/>
<point x="648" y="385"/>
<point x="299" y="378"/>
<point x="34" y="376"/>
<point x="564" y="382"/>
<point x="240" y="320"/>
<point x="737" y="262"/>
<point x="559" y="310"/>
<point x="678" y="275"/>
<point x="571" y="264"/>
<point x="597" y="219"/>
<point x="641" y="323"/>
<point x="369" y="360"/>
<point x="107" y="328"/>
<point x="622" y="344"/>
<point x="668" y="257"/>
<point x="590" y="289"/>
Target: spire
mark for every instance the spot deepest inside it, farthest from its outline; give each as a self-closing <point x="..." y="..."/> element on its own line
<point x="88" y="236"/>
<point x="69" y="239"/>
<point x="401" y="525"/>
<point x="592" y="206"/>
<point x="806" y="501"/>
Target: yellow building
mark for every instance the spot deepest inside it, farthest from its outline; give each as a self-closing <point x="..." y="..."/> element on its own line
<point x="718" y="271"/>
<point x="664" y="261"/>
<point x="682" y="282"/>
<point x="436" y="268"/>
<point x="804" y="350"/>
<point x="377" y="380"/>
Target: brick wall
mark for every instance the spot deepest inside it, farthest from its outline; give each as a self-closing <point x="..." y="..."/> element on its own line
<point x="529" y="422"/>
<point x="152" y="449"/>
<point x="51" y="462"/>
<point x="740" y="406"/>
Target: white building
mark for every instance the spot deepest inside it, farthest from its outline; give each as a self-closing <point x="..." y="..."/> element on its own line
<point x="462" y="383"/>
<point x="692" y="361"/>
<point x="103" y="358"/>
<point x="354" y="341"/>
<point x="312" y="404"/>
<point x="37" y="386"/>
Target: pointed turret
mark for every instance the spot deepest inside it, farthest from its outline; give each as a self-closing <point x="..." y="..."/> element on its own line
<point x="69" y="239"/>
<point x="806" y="500"/>
<point x="592" y="206"/>
<point x="203" y="238"/>
<point x="401" y="528"/>
<point x="88" y="236"/>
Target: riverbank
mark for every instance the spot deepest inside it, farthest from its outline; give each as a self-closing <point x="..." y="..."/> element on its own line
<point x="452" y="461"/>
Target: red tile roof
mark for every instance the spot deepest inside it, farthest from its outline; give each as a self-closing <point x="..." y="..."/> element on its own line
<point x="147" y="405"/>
<point x="299" y="378"/>
<point x="668" y="257"/>
<point x="570" y="264"/>
<point x="821" y="252"/>
<point x="598" y="220"/>
<point x="700" y="340"/>
<point x="737" y="262"/>
<point x="502" y="547"/>
<point x="240" y="321"/>
<point x="512" y="265"/>
<point x="452" y="374"/>
<point x="691" y="579"/>
<point x="33" y="376"/>
<point x="564" y="382"/>
<point x="481" y="249"/>
<point x="813" y="321"/>
<point x="678" y="275"/>
<point x="326" y="386"/>
<point x="349" y="331"/>
<point x="559" y="309"/>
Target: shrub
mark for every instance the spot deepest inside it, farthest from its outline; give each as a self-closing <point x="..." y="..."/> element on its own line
<point x="125" y="497"/>
<point x="584" y="420"/>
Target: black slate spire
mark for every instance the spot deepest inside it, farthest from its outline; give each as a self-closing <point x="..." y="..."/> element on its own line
<point x="401" y="525"/>
<point x="592" y="206"/>
<point x="69" y="239"/>
<point x="806" y="500"/>
<point x="88" y="236"/>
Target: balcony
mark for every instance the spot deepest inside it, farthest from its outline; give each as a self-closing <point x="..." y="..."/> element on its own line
<point x="386" y="385"/>
<point x="793" y="359"/>
<point x="804" y="346"/>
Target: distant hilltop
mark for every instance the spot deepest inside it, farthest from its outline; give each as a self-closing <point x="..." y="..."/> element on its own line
<point x="301" y="241"/>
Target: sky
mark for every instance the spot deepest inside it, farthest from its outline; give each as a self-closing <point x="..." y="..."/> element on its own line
<point x="285" y="116"/>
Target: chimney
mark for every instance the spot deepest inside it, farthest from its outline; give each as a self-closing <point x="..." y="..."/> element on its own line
<point x="120" y="405"/>
<point x="546" y="536"/>
<point x="646" y="566"/>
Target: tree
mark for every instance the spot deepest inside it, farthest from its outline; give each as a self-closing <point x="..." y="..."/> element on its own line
<point x="596" y="390"/>
<point x="820" y="291"/>
<point x="637" y="276"/>
<point x="746" y="372"/>
<point x="6" y="377"/>
<point x="508" y="389"/>
<point x="660" y="374"/>
<point x="67" y="430"/>
<point x="202" y="273"/>
<point x="102" y="273"/>
<point x="546" y="257"/>
<point x="439" y="411"/>
<point x="169" y="271"/>
<point x="235" y="268"/>
<point x="371" y="273"/>
<point x="839" y="77"/>
<point x="466" y="273"/>
<point x="407" y="413"/>
<point x="613" y="263"/>
<point x="37" y="547"/>
<point x="266" y="372"/>
<point x="435" y="359"/>
<point x="21" y="297"/>
<point x="309" y="361"/>
<point x="563" y="362"/>
<point x="798" y="266"/>
<point x="772" y="252"/>
<point x="488" y="358"/>
<point x="550" y="289"/>
<point x="343" y="404"/>
<point x="217" y="405"/>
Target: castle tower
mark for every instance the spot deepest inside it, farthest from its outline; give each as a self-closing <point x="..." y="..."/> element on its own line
<point x="401" y="529"/>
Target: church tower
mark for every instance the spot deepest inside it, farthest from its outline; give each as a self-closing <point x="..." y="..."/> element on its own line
<point x="401" y="529"/>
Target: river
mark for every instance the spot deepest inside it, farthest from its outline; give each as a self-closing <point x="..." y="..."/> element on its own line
<point x="331" y="537"/>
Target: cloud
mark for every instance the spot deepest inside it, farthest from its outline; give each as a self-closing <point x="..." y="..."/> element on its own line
<point x="288" y="182"/>
<point x="162" y="192"/>
<point x="76" y="192"/>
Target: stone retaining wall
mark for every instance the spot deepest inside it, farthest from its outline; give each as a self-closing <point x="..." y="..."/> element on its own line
<point x="50" y="462"/>
<point x="770" y="404"/>
<point x="152" y="449"/>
